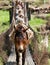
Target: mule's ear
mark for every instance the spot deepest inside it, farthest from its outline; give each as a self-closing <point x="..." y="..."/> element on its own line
<point x="11" y="33"/>
<point x="29" y="33"/>
<point x="25" y="27"/>
<point x="15" y="27"/>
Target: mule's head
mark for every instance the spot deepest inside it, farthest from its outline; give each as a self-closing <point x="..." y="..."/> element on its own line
<point x="19" y="37"/>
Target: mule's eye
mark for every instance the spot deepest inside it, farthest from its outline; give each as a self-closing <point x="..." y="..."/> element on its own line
<point x="24" y="30"/>
<point x="24" y="42"/>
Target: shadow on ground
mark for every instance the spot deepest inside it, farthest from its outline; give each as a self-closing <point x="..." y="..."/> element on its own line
<point x="10" y="63"/>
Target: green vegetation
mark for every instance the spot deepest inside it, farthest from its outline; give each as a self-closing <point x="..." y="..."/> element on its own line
<point x="4" y="24"/>
<point x="1" y="61"/>
<point x="49" y="45"/>
<point x="4" y="20"/>
<point x="48" y="61"/>
<point x="36" y="22"/>
<point x="48" y="15"/>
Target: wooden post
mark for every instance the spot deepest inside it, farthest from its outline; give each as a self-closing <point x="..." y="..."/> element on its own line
<point x="25" y="14"/>
<point x="12" y="11"/>
<point x="28" y="11"/>
<point x="11" y="14"/>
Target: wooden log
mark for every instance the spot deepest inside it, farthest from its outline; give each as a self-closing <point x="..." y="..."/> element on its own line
<point x="11" y="14"/>
<point x="28" y="11"/>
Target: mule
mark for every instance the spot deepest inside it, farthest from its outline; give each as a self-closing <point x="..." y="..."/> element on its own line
<point x="21" y="40"/>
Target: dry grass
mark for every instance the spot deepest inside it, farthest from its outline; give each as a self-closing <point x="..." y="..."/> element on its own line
<point x="39" y="56"/>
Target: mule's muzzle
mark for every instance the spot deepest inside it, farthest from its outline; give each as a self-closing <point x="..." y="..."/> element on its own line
<point x="20" y="50"/>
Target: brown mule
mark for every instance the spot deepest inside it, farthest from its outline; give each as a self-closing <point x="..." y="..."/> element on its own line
<point x="20" y="37"/>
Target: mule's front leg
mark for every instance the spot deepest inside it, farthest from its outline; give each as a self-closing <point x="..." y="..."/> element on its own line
<point x="20" y="58"/>
<point x="17" y="58"/>
<point x="23" y="57"/>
